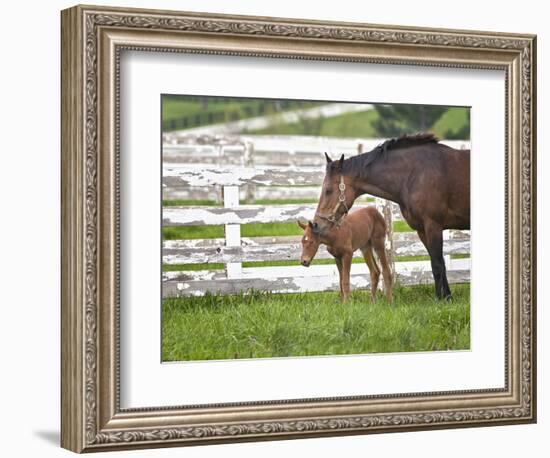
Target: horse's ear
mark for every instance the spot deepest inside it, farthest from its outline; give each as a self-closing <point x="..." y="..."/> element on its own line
<point x="314" y="227"/>
<point x="302" y="225"/>
<point x="341" y="162"/>
<point x="329" y="160"/>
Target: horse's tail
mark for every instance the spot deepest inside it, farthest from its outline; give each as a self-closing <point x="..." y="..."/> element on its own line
<point x="376" y="260"/>
<point x="369" y="252"/>
<point x="379" y="222"/>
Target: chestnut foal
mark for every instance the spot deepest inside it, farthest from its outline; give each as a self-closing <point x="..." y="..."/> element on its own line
<point x="363" y="229"/>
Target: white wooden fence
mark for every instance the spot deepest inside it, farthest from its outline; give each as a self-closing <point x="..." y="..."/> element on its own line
<point x="258" y="151"/>
<point x="187" y="168"/>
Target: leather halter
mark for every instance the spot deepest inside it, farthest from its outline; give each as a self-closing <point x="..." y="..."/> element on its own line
<point x="331" y="218"/>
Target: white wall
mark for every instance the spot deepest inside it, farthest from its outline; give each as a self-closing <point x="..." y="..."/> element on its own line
<point x="29" y="233"/>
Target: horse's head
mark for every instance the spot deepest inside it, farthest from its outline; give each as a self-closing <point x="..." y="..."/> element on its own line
<point x="337" y="195"/>
<point x="310" y="242"/>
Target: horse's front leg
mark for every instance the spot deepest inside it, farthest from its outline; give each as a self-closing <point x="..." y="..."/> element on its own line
<point x="339" y="265"/>
<point x="432" y="237"/>
<point x="373" y="270"/>
<point x="345" y="276"/>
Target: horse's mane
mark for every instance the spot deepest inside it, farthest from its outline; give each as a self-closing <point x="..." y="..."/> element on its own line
<point x="358" y="163"/>
<point x="406" y="140"/>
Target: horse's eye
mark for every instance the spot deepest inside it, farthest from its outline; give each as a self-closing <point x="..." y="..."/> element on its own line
<point x="328" y="192"/>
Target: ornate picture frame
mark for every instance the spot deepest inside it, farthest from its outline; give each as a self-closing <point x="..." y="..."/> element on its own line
<point x="92" y="41"/>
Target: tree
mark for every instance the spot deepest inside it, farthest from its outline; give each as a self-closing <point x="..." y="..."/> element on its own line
<point x="394" y="120"/>
<point x="459" y="131"/>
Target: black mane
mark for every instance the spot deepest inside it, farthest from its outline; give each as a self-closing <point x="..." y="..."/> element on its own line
<point x="406" y="140"/>
<point x="356" y="164"/>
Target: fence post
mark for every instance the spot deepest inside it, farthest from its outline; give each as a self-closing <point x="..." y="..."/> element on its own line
<point x="219" y="191"/>
<point x="248" y="159"/>
<point x="385" y="207"/>
<point x="447" y="258"/>
<point x="232" y="231"/>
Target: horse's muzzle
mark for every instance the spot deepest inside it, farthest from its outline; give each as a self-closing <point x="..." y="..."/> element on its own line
<point x="306" y="262"/>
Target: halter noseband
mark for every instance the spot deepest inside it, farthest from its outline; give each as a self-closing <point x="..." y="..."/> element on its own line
<point x="331" y="218"/>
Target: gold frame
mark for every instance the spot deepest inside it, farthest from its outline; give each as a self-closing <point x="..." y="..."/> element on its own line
<point x="92" y="39"/>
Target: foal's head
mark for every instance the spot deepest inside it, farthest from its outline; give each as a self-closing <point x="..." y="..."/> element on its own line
<point x="310" y="242"/>
<point x="337" y="195"/>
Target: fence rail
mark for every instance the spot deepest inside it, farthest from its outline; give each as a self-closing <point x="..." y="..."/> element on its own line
<point x="181" y="252"/>
<point x="296" y="284"/>
<point x="186" y="155"/>
<point x="176" y="175"/>
<point x="244" y="214"/>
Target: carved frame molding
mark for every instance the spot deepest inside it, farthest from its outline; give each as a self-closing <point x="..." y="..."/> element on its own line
<point x="92" y="39"/>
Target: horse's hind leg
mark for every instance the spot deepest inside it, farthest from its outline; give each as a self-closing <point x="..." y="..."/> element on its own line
<point x="340" y="273"/>
<point x="379" y="245"/>
<point x="433" y="239"/>
<point x="373" y="269"/>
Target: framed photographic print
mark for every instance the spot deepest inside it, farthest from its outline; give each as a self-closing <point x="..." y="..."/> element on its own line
<point x="278" y="228"/>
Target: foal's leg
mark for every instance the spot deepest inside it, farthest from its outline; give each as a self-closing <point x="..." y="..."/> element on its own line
<point x="433" y="233"/>
<point x="346" y="267"/>
<point x="379" y="245"/>
<point x="373" y="269"/>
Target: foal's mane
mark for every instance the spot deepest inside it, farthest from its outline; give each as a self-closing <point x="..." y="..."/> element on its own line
<point x="356" y="164"/>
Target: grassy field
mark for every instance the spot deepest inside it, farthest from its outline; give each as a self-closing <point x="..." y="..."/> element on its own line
<point x="264" y="325"/>
<point x="347" y="125"/>
<point x="247" y="230"/>
<point x="361" y="124"/>
<point x="454" y="123"/>
<point x="222" y="109"/>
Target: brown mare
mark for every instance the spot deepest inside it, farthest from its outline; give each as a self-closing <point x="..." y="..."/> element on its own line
<point x="363" y="229"/>
<point x="430" y="182"/>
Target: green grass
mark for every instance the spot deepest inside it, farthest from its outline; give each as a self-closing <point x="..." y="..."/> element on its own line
<point x="192" y="267"/>
<point x="284" y="201"/>
<point x="247" y="230"/>
<point x="357" y="124"/>
<point x="190" y="203"/>
<point x="453" y="124"/>
<point x="191" y="232"/>
<point x="318" y="262"/>
<point x="175" y="107"/>
<point x="263" y="325"/>
<point x="206" y="110"/>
